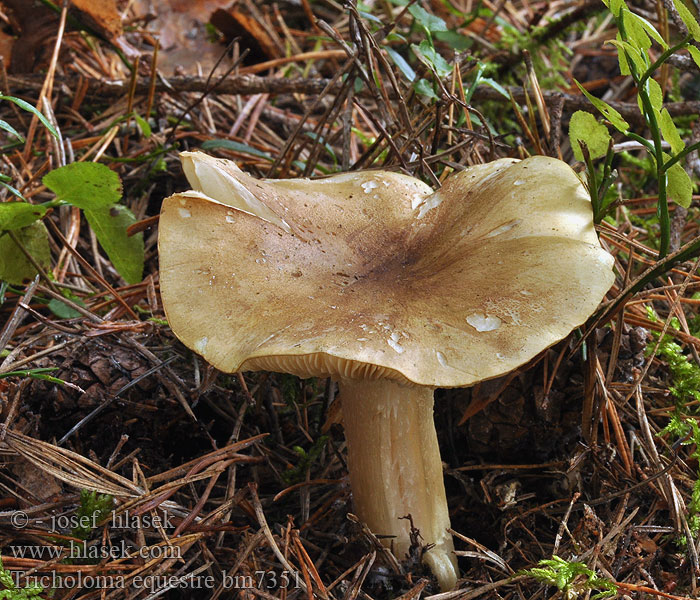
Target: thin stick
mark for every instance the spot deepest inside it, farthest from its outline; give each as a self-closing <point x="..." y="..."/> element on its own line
<point x="92" y="270"/>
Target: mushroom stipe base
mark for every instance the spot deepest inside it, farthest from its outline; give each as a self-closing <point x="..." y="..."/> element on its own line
<point x="396" y="470"/>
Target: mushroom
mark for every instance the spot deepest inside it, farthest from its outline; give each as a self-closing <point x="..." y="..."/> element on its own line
<point x="391" y="289"/>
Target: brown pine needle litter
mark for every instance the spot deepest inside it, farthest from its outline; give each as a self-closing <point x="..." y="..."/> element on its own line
<point x="131" y="468"/>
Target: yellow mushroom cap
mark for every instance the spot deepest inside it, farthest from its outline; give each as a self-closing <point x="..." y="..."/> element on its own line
<point x="371" y="274"/>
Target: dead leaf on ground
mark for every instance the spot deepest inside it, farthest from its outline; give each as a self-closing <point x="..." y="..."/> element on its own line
<point x="105" y="19"/>
<point x="33" y="479"/>
<point x="235" y="23"/>
<point x="7" y="41"/>
<point x="181" y="28"/>
<point x="35" y="27"/>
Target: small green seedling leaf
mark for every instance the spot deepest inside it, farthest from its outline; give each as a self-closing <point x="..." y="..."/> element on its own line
<point x="607" y="111"/>
<point x="622" y="57"/>
<point x="615" y="6"/>
<point x="424" y="87"/>
<point x="29" y="108"/>
<point x="670" y="132"/>
<point x="656" y="94"/>
<point x="688" y="18"/>
<point x="15" y="267"/>
<point x="85" y="185"/>
<point x="370" y="17"/>
<point x="63" y="311"/>
<point x="144" y="125"/>
<point x="4" y="125"/>
<point x="428" y="21"/>
<point x="584" y="126"/>
<point x="126" y="253"/>
<point x="495" y="85"/>
<point x="42" y="374"/>
<point x="636" y="34"/>
<point x="326" y="146"/>
<point x="638" y="58"/>
<point x="96" y="189"/>
<point x="656" y="97"/>
<point x="679" y="185"/>
<point x="13" y="190"/>
<point x="427" y="54"/>
<point x="454" y="40"/>
<point x="638" y="28"/>
<point x="695" y="55"/>
<point x="394" y="36"/>
<point x="401" y="63"/>
<point x="16" y="215"/>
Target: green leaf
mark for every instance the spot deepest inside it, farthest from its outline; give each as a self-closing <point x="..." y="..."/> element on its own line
<point x="40" y="373"/>
<point x="584" y="126"/>
<point x="11" y="130"/>
<point x="370" y="17"/>
<point x="695" y="55"/>
<point x="615" y="6"/>
<point x="642" y="29"/>
<point x="16" y="215"/>
<point x="394" y="36"/>
<point x="424" y="87"/>
<point x="454" y="40"/>
<point x="235" y="147"/>
<point x="144" y="125"/>
<point x="62" y="310"/>
<point x="401" y="63"/>
<point x="478" y="78"/>
<point x="679" y="185"/>
<point x="688" y="18"/>
<point x="621" y="56"/>
<point x="656" y="97"/>
<point x="320" y="139"/>
<point x="427" y="20"/>
<point x="85" y="185"/>
<point x="15" y="267"/>
<point x="29" y="108"/>
<point x="639" y="58"/>
<point x="607" y="111"/>
<point x="634" y="31"/>
<point x="669" y="131"/>
<point x="126" y="253"/>
<point x="495" y="85"/>
<point x="12" y="189"/>
<point x="656" y="94"/>
<point x="427" y="54"/>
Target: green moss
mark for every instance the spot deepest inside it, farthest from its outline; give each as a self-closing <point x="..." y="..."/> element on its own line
<point x="93" y="508"/>
<point x="682" y="427"/>
<point x="11" y="591"/>
<point x="573" y="579"/>
<point x="306" y="460"/>
<point x="685" y="373"/>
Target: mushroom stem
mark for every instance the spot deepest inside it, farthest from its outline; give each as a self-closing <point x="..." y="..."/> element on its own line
<point x="395" y="468"/>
